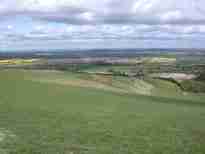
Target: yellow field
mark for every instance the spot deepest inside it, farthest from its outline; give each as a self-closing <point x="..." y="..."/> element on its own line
<point x="158" y="60"/>
<point x="17" y="61"/>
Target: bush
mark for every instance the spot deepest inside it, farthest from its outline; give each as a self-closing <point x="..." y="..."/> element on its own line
<point x="201" y="76"/>
<point x="117" y="73"/>
<point x="193" y="86"/>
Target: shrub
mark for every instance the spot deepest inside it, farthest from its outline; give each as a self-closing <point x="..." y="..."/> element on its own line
<point x="193" y="86"/>
<point x="201" y="76"/>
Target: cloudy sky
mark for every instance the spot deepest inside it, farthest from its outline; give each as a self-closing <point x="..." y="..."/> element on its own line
<point x="64" y="24"/>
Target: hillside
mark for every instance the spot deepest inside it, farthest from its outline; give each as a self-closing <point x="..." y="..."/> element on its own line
<point x="48" y="117"/>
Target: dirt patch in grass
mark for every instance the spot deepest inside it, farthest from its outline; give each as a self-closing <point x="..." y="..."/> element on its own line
<point x="142" y="87"/>
<point x="82" y="83"/>
<point x="5" y="134"/>
<point x="176" y="76"/>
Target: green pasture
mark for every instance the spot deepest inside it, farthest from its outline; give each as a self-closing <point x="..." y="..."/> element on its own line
<point x="50" y="118"/>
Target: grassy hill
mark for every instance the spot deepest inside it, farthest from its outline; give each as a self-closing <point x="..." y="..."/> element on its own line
<point x="117" y="84"/>
<point x="58" y="117"/>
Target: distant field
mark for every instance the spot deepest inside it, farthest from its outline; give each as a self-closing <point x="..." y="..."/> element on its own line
<point x="52" y="118"/>
<point x="17" y="61"/>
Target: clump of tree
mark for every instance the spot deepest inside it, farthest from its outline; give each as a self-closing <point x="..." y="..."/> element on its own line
<point x="118" y="73"/>
<point x="201" y="76"/>
<point x="193" y="86"/>
<point x="197" y="85"/>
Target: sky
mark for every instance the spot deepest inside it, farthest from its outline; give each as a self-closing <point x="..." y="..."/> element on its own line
<point x="88" y="24"/>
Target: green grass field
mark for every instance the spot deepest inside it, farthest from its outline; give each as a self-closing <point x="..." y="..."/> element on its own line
<point x="51" y="118"/>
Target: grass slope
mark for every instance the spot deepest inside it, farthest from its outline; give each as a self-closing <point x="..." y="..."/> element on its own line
<point x="49" y="118"/>
<point x="150" y="87"/>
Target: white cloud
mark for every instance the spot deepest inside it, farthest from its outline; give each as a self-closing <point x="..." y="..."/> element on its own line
<point x="144" y="6"/>
<point x="102" y="19"/>
<point x="174" y="15"/>
<point x="109" y="11"/>
<point x="9" y="27"/>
